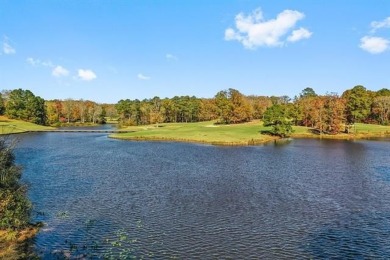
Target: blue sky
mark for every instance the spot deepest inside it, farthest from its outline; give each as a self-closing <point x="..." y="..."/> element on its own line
<point x="111" y="50"/>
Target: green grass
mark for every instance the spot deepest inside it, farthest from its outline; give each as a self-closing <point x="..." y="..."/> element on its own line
<point x="358" y="131"/>
<point x="240" y="134"/>
<point x="202" y="132"/>
<point x="12" y="126"/>
<point x="368" y="128"/>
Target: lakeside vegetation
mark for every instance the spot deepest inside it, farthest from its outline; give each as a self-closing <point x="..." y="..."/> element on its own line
<point x="330" y="115"/>
<point x="16" y="231"/>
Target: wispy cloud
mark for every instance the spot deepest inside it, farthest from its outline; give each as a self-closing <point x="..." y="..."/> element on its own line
<point x="60" y="71"/>
<point x="254" y="31"/>
<point x="38" y="62"/>
<point x="299" y="34"/>
<point x="374" y="45"/>
<point x="7" y="48"/>
<point x="375" y="25"/>
<point x="142" y="77"/>
<point x="169" y="56"/>
<point x="86" y="75"/>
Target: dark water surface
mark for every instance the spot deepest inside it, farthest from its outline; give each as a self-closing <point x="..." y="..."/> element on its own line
<point x="302" y="199"/>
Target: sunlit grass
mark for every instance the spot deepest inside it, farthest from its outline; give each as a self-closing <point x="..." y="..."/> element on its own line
<point x="10" y="126"/>
<point x="240" y="134"/>
<point x="204" y="132"/>
<point x="369" y="128"/>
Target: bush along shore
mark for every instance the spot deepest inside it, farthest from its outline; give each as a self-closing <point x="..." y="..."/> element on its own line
<point x="16" y="231"/>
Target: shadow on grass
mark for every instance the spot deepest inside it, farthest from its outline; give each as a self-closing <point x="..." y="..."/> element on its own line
<point x="314" y="131"/>
<point x="266" y="132"/>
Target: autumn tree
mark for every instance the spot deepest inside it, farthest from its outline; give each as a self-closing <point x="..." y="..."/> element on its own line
<point x="381" y="108"/>
<point x="54" y="110"/>
<point x="208" y="110"/>
<point x="156" y="111"/>
<point x="232" y="107"/>
<point x="259" y="105"/>
<point x="304" y="105"/>
<point x="334" y="117"/>
<point x="318" y="114"/>
<point x="68" y="105"/>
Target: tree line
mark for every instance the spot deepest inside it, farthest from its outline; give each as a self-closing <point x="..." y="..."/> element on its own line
<point x="330" y="113"/>
<point x="24" y="105"/>
<point x="227" y="107"/>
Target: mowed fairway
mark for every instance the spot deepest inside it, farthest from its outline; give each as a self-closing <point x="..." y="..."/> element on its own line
<point x="240" y="134"/>
<point x="203" y="132"/>
<point x="11" y="126"/>
<point x="358" y="131"/>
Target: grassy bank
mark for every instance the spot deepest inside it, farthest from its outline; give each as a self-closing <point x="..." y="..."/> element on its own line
<point x="12" y="126"/>
<point x="241" y="134"/>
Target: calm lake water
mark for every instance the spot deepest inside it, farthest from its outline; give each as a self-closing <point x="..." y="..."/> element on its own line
<point x="300" y="199"/>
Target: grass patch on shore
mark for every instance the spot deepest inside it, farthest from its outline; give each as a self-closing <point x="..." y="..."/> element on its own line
<point x="358" y="131"/>
<point x="201" y="132"/>
<point x="13" y="126"/>
<point x="241" y="134"/>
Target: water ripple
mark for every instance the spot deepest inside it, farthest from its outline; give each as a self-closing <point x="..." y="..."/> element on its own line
<point x="308" y="199"/>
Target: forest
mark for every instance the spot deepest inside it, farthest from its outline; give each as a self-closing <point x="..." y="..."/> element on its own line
<point x="329" y="114"/>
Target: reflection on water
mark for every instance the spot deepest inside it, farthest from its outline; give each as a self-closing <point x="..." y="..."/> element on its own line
<point x="305" y="199"/>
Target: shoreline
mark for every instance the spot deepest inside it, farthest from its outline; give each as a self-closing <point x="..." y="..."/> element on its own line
<point x="253" y="142"/>
<point x="184" y="140"/>
<point x="18" y="244"/>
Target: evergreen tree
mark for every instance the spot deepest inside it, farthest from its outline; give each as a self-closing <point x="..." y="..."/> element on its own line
<point x="2" y="106"/>
<point x="277" y="117"/>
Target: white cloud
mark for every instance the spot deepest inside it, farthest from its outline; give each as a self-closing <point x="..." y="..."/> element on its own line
<point x="60" y="71"/>
<point x="38" y="62"/>
<point x="299" y="34"/>
<point x="374" y="45"/>
<point x="142" y="77"/>
<point x="382" y="24"/>
<point x="86" y="75"/>
<point x="254" y="31"/>
<point x="8" y="49"/>
<point x="169" y="56"/>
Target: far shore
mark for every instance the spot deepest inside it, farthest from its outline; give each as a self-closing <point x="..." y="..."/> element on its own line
<point x="252" y="133"/>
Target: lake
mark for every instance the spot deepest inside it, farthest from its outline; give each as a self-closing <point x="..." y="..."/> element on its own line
<point x="101" y="197"/>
